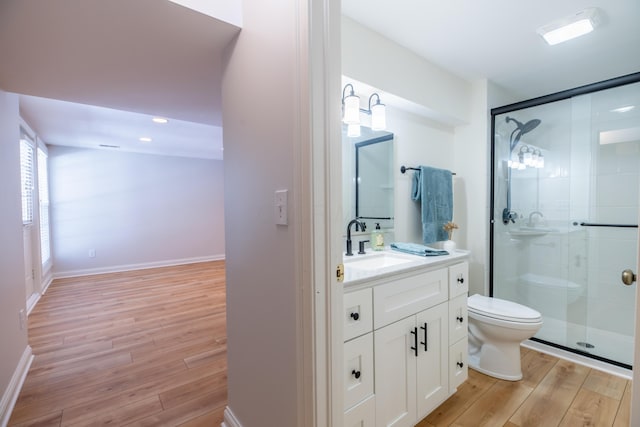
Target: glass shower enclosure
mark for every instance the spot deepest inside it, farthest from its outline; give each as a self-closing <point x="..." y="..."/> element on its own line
<point x="564" y="209"/>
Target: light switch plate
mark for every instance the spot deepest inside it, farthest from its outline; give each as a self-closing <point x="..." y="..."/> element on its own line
<point x="281" y="207"/>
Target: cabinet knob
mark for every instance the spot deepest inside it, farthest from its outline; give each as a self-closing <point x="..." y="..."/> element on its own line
<point x="355" y="373"/>
<point x="460" y="319"/>
<point x="460" y="364"/>
<point x="355" y="316"/>
<point x="460" y="279"/>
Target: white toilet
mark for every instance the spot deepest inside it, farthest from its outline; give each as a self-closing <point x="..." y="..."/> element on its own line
<point x="496" y="329"/>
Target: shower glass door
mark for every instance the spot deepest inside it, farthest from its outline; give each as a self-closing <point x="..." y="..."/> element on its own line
<point x="565" y="211"/>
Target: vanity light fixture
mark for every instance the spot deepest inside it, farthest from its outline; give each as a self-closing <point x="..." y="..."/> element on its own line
<point x="351" y="111"/>
<point x="527" y="156"/>
<point x="351" y="107"/>
<point x="378" y="113"/>
<point x="160" y="120"/>
<point x="568" y="28"/>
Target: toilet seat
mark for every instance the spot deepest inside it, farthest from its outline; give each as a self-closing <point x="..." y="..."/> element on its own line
<point x="499" y="309"/>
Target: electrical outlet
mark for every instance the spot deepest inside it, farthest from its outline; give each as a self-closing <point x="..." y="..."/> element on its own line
<point x="92" y="253"/>
<point x="23" y="319"/>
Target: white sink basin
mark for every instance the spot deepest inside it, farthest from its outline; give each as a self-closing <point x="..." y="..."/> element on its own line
<point x="372" y="264"/>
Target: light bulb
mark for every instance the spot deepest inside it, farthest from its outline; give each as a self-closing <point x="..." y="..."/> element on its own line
<point x="351" y="110"/>
<point x="378" y="117"/>
<point x="353" y="130"/>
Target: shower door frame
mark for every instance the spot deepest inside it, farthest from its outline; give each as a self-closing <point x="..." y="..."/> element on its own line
<point x="558" y="96"/>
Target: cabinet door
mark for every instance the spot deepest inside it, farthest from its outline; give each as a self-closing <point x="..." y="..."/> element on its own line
<point x="358" y="370"/>
<point x="395" y="366"/>
<point x="432" y="361"/>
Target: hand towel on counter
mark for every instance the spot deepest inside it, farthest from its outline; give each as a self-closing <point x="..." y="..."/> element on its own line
<point x="434" y="188"/>
<point x="417" y="249"/>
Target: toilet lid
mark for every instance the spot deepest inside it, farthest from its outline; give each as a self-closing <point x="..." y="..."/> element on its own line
<point x="501" y="309"/>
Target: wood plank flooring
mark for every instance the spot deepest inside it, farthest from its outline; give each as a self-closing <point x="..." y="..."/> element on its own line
<point x="148" y="348"/>
<point x="142" y="348"/>
<point x="552" y="393"/>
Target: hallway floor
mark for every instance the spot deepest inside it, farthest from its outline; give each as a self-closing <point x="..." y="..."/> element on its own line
<point x="141" y="348"/>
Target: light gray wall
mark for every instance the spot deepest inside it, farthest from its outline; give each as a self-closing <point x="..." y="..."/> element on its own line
<point x="259" y="111"/>
<point x="132" y="209"/>
<point x="12" y="287"/>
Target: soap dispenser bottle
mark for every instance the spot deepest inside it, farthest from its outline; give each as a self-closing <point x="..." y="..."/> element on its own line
<point x="377" y="238"/>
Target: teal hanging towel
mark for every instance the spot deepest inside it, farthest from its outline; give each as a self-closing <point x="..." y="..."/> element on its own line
<point x="433" y="187"/>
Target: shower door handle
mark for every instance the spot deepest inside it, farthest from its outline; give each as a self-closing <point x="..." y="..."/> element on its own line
<point x="628" y="277"/>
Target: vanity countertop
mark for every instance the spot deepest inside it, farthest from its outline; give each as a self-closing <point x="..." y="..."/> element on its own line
<point x="373" y="267"/>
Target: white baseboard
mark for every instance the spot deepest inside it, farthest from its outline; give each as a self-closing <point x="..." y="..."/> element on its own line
<point x="47" y="283"/>
<point x="230" y="419"/>
<point x="10" y="395"/>
<point x="130" y="267"/>
<point x="32" y="301"/>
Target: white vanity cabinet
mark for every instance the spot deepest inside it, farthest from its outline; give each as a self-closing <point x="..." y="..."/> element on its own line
<point x="408" y="333"/>
<point x="411" y="367"/>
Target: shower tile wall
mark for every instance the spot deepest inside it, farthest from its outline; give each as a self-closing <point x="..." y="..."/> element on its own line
<point x="613" y="249"/>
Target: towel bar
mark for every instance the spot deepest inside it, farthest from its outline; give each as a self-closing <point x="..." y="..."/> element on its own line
<point x="403" y="169"/>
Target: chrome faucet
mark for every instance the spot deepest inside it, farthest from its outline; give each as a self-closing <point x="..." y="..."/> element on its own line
<point x="357" y="223"/>
<point x="531" y="223"/>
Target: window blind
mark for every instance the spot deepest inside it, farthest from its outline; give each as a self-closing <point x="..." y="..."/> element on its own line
<point x="27" y="181"/>
<point x="43" y="196"/>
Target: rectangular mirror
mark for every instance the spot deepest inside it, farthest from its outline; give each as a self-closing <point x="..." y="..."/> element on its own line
<point x="368" y="178"/>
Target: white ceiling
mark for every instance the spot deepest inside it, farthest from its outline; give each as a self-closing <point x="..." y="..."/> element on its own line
<point x="151" y="57"/>
<point x="155" y="57"/>
<point x="497" y="39"/>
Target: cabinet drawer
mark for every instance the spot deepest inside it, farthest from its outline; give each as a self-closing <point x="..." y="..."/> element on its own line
<point x="458" y="279"/>
<point x="458" y="364"/>
<point x="361" y="415"/>
<point x="358" y="370"/>
<point x="458" y="322"/>
<point x="358" y="313"/>
<point x="403" y="297"/>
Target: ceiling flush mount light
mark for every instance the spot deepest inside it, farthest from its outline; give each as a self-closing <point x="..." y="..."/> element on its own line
<point x="351" y="111"/>
<point x="145" y="139"/>
<point x="160" y="120"/>
<point x="570" y="27"/>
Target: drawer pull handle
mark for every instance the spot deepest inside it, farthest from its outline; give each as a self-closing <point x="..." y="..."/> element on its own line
<point x="460" y="279"/>
<point x="425" y="342"/>
<point x="460" y="319"/>
<point x="414" y="332"/>
<point x="460" y="364"/>
<point x="355" y="316"/>
<point x="355" y="373"/>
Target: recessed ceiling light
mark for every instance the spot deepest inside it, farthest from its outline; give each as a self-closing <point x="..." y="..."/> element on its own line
<point x="145" y="139"/>
<point x="161" y="120"/>
<point x="570" y="27"/>
<point x="623" y="109"/>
